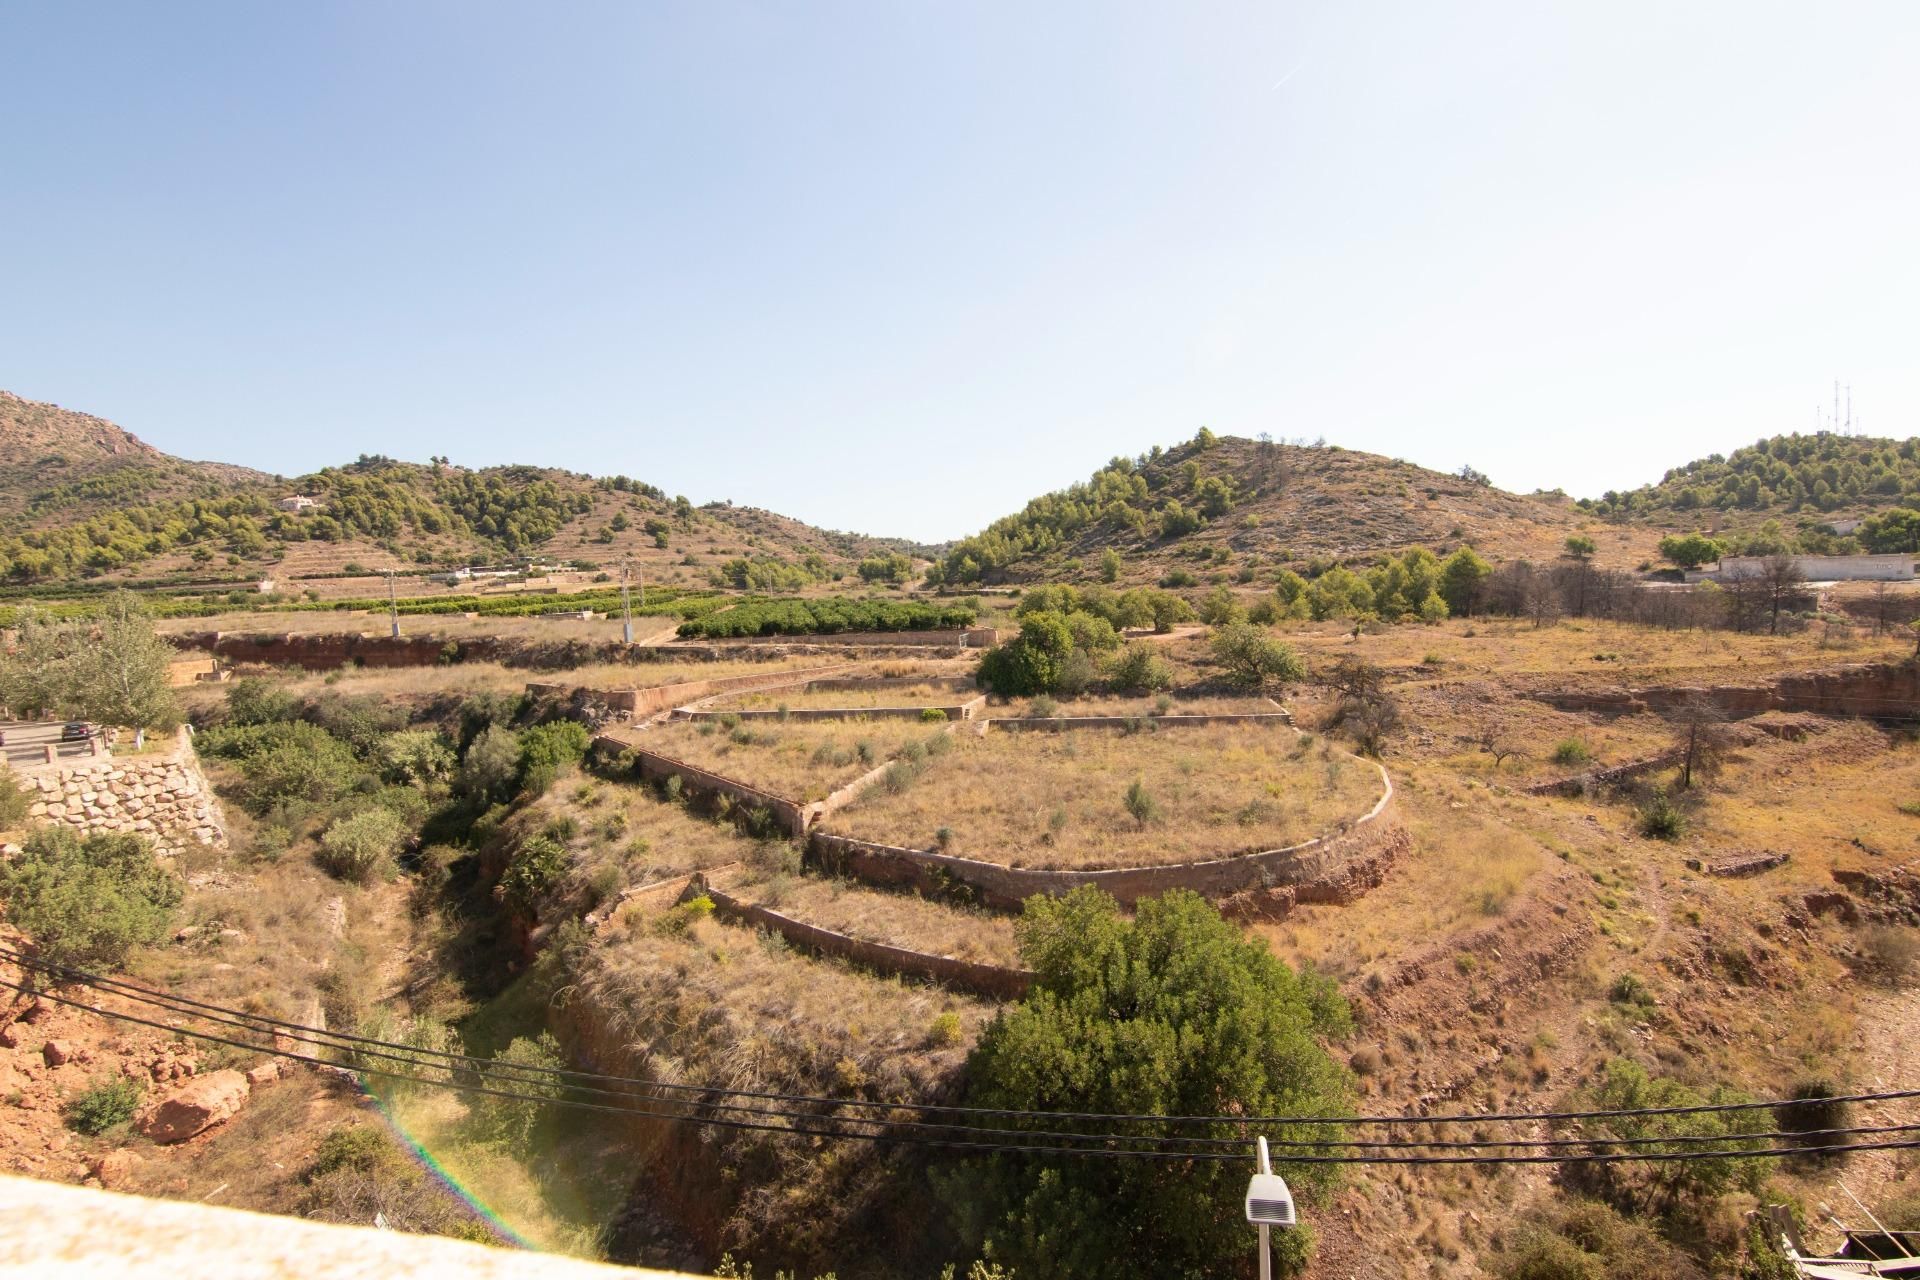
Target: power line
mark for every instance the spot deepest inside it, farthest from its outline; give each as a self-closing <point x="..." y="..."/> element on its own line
<point x="494" y="1069"/>
<point x="1159" y="1152"/>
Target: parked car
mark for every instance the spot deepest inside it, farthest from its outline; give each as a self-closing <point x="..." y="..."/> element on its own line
<point x="78" y="731"/>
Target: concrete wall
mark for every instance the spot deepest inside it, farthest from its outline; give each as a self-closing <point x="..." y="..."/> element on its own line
<point x="1005" y="887"/>
<point x="161" y="795"/>
<point x="1877" y="568"/>
<point x="991" y="980"/>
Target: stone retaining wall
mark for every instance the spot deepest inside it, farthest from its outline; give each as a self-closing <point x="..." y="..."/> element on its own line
<point x="161" y="795"/>
<point x="792" y="816"/>
<point x="957" y="638"/>
<point x="1005" y="887"/>
<point x="956" y="711"/>
<point x="994" y="981"/>
<point x="1058" y="723"/>
<point x="665" y="697"/>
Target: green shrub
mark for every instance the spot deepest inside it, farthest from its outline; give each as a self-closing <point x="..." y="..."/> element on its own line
<point x="492" y="764"/>
<point x="933" y="715"/>
<point x="510" y="1123"/>
<point x="1571" y="751"/>
<point x="1140" y="670"/>
<point x="14" y="802"/>
<point x="556" y="745"/>
<point x="103" y="1106"/>
<point x="286" y="763"/>
<point x="1661" y="819"/>
<point x="532" y="873"/>
<point x="944" y="1030"/>
<point x="1141" y="805"/>
<point x="675" y="921"/>
<point x="257" y="700"/>
<point x="1253" y="658"/>
<point x="414" y="756"/>
<point x="1149" y="1015"/>
<point x="362" y="846"/>
<point x="88" y="902"/>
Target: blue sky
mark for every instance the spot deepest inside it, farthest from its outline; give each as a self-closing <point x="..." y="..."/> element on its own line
<point x="898" y="267"/>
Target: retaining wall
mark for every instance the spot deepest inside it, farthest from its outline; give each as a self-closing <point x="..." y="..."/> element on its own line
<point x="1057" y="723"/>
<point x="792" y="816"/>
<point x="955" y="711"/>
<point x="665" y="697"/>
<point x="161" y="795"/>
<point x="1005" y="887"/>
<point x="994" y="981"/>
<point x="966" y="638"/>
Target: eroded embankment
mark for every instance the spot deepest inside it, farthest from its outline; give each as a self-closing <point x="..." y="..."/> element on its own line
<point x="1875" y="690"/>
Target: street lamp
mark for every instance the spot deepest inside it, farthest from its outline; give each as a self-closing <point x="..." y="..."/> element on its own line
<point x="1269" y="1204"/>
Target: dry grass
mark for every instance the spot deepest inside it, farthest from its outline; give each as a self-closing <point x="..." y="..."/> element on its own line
<point x="734" y="1008"/>
<point x="1585" y="649"/>
<point x="803" y="761"/>
<point x="798" y="698"/>
<point x="1172" y="704"/>
<point x="1059" y="799"/>
<point x="899" y="920"/>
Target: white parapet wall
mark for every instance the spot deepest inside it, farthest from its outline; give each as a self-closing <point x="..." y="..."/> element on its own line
<point x="55" y="1232"/>
<point x="1883" y="568"/>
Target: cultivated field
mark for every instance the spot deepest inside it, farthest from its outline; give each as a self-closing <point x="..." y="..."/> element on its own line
<point x="899" y="920"/>
<point x="1060" y="800"/>
<point x="892" y="695"/>
<point x="1169" y="704"/>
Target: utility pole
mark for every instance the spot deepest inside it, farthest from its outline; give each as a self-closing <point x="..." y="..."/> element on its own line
<point x="626" y="606"/>
<point x="393" y="606"/>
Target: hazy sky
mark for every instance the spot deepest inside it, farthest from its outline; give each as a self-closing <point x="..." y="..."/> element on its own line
<point x="897" y="267"/>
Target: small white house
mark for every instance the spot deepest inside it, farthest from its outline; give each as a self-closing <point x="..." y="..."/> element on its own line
<point x="299" y="503"/>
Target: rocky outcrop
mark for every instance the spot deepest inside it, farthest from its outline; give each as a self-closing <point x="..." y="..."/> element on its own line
<point x="162" y="796"/>
<point x="193" y="1109"/>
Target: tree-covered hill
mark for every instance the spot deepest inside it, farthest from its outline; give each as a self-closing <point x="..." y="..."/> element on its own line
<point x="81" y="499"/>
<point x="1225" y="501"/>
<point x="1820" y="475"/>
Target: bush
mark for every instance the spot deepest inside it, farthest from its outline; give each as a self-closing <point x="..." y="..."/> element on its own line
<point x="944" y="1030"/>
<point x="1254" y="658"/>
<point x="933" y="715"/>
<point x="414" y="756"/>
<point x="14" y="802"/>
<point x="1141" y="806"/>
<point x="88" y="902"/>
<point x="533" y="871"/>
<point x="1161" y="1014"/>
<point x="1571" y="751"/>
<point x="362" y="846"/>
<point x="1661" y="819"/>
<point x="492" y="765"/>
<point x="103" y="1106"/>
<point x="510" y="1123"/>
<point x="256" y="700"/>
<point x="1140" y="670"/>
<point x="286" y="763"/>
<point x="555" y="745"/>
<point x="1888" y="951"/>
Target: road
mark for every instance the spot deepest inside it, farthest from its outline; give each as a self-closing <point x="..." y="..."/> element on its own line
<point x="27" y="741"/>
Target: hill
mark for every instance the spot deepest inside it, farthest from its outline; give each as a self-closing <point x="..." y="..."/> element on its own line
<point x="1226" y="501"/>
<point x="1811" y="479"/>
<point x="57" y="463"/>
<point x="81" y="500"/>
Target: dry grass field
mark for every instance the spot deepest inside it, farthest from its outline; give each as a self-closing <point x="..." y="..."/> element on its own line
<point x="1168" y="704"/>
<point x="899" y="920"/>
<point x="802" y="761"/>
<point x="1060" y="800"/>
<point x="908" y="695"/>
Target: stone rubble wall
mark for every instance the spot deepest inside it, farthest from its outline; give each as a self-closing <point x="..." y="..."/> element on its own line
<point x="1877" y="690"/>
<point x="996" y="982"/>
<point x="161" y="795"/>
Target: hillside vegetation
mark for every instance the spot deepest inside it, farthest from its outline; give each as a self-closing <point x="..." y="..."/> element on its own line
<point x="1227" y="501"/>
<point x="1797" y="475"/>
<point x="82" y="499"/>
